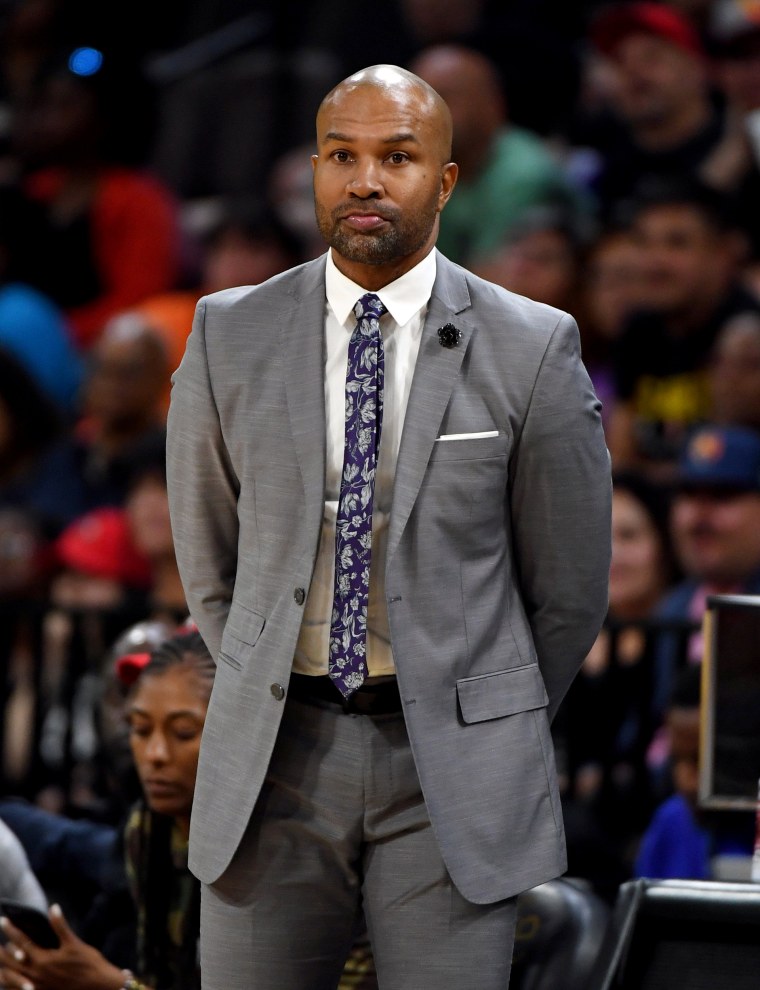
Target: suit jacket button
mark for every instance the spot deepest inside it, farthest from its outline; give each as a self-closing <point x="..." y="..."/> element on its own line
<point x="300" y="596"/>
<point x="278" y="691"/>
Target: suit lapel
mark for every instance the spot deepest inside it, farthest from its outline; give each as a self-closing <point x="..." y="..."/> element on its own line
<point x="435" y="375"/>
<point x="303" y="336"/>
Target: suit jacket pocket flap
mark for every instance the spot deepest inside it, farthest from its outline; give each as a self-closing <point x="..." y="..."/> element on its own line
<point x="243" y="625"/>
<point x="504" y="692"/>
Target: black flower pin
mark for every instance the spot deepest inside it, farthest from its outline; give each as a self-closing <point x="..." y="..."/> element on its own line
<point x="449" y="336"/>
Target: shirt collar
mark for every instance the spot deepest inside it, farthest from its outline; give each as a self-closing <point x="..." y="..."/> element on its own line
<point x="402" y="298"/>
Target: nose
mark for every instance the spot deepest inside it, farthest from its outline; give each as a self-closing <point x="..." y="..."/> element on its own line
<point x="156" y="750"/>
<point x="365" y="181"/>
<point x="697" y="511"/>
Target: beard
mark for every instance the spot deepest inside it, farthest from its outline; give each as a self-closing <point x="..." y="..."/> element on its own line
<point x="406" y="234"/>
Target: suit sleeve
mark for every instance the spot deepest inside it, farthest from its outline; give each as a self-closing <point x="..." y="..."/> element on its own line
<point x="203" y="491"/>
<point x="560" y="505"/>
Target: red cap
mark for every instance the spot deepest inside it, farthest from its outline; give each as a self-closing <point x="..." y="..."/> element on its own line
<point x="100" y="544"/>
<point x="614" y="24"/>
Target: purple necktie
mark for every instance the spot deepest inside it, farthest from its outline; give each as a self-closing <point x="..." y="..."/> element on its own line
<point x="353" y="530"/>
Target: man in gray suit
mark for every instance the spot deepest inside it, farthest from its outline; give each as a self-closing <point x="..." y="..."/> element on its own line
<point x="378" y="735"/>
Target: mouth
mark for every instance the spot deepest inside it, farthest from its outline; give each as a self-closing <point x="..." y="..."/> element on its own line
<point x="364" y="221"/>
<point x="160" y="788"/>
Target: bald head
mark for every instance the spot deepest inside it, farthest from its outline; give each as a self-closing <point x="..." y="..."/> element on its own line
<point x="453" y="68"/>
<point x="400" y="85"/>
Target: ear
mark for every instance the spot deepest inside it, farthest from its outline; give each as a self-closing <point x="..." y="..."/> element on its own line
<point x="314" y="160"/>
<point x="448" y="181"/>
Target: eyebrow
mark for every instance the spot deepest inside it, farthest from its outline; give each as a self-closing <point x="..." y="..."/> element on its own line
<point x="399" y="138"/>
<point x="182" y="713"/>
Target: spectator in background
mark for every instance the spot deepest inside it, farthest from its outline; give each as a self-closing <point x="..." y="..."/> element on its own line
<point x="612" y="288"/>
<point x="116" y="783"/>
<point x="691" y="252"/>
<point x="606" y="724"/>
<point x="167" y="695"/>
<point x="503" y="170"/>
<point x="735" y="48"/>
<point x="680" y="841"/>
<point x="97" y="562"/>
<point x="530" y="41"/>
<point x="665" y="120"/>
<point x="245" y="245"/>
<point x="715" y="523"/>
<point x="107" y="234"/>
<point x="734" y="44"/>
<point x="79" y="860"/>
<point x="734" y="372"/>
<point x="166" y="710"/>
<point x="122" y="407"/>
<point x="57" y="475"/>
<point x="541" y="258"/>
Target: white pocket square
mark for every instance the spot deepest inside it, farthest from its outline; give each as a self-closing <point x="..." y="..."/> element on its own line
<point x="467" y="436"/>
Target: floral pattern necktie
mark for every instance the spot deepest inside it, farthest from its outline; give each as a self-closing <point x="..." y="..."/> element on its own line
<point x="347" y="664"/>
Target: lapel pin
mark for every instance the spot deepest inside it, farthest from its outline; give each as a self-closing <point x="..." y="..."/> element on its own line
<point x="449" y="336"/>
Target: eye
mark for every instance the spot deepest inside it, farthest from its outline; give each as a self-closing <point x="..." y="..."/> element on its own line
<point x="139" y="729"/>
<point x="398" y="157"/>
<point x="186" y="730"/>
<point x="341" y="157"/>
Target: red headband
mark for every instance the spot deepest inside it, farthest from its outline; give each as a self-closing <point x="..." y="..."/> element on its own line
<point x="130" y="666"/>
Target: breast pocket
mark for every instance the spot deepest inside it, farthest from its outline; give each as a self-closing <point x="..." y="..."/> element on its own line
<point x="466" y="481"/>
<point x="463" y="448"/>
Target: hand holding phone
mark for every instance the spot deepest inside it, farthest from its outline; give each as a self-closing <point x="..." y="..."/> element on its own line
<point x="34" y="923"/>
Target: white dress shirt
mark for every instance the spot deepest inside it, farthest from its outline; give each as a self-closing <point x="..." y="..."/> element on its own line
<point x="406" y="301"/>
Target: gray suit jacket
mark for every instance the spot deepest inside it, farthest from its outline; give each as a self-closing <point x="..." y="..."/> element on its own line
<point x="497" y="558"/>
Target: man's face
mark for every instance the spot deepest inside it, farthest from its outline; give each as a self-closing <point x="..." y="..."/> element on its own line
<point x="126" y="382"/>
<point x="680" y="253"/>
<point x="380" y="180"/>
<point x="653" y="80"/>
<point x="717" y="534"/>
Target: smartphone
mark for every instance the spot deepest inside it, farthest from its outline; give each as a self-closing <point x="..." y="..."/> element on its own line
<point x="34" y="923"/>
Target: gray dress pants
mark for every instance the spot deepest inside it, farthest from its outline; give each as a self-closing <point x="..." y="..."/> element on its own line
<point x="341" y="826"/>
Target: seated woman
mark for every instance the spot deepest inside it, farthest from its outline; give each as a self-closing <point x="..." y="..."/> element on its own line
<point x="166" y="709"/>
<point x="168" y="695"/>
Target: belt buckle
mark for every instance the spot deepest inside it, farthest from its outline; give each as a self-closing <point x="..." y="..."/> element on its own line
<point x="358" y="703"/>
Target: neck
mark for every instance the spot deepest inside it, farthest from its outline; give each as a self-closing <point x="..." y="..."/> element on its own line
<point x="375" y="277"/>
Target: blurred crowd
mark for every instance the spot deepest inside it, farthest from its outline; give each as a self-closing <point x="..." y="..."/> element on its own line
<point x="609" y="165"/>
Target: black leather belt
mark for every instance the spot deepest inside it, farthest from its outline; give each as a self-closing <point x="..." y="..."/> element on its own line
<point x="376" y="696"/>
